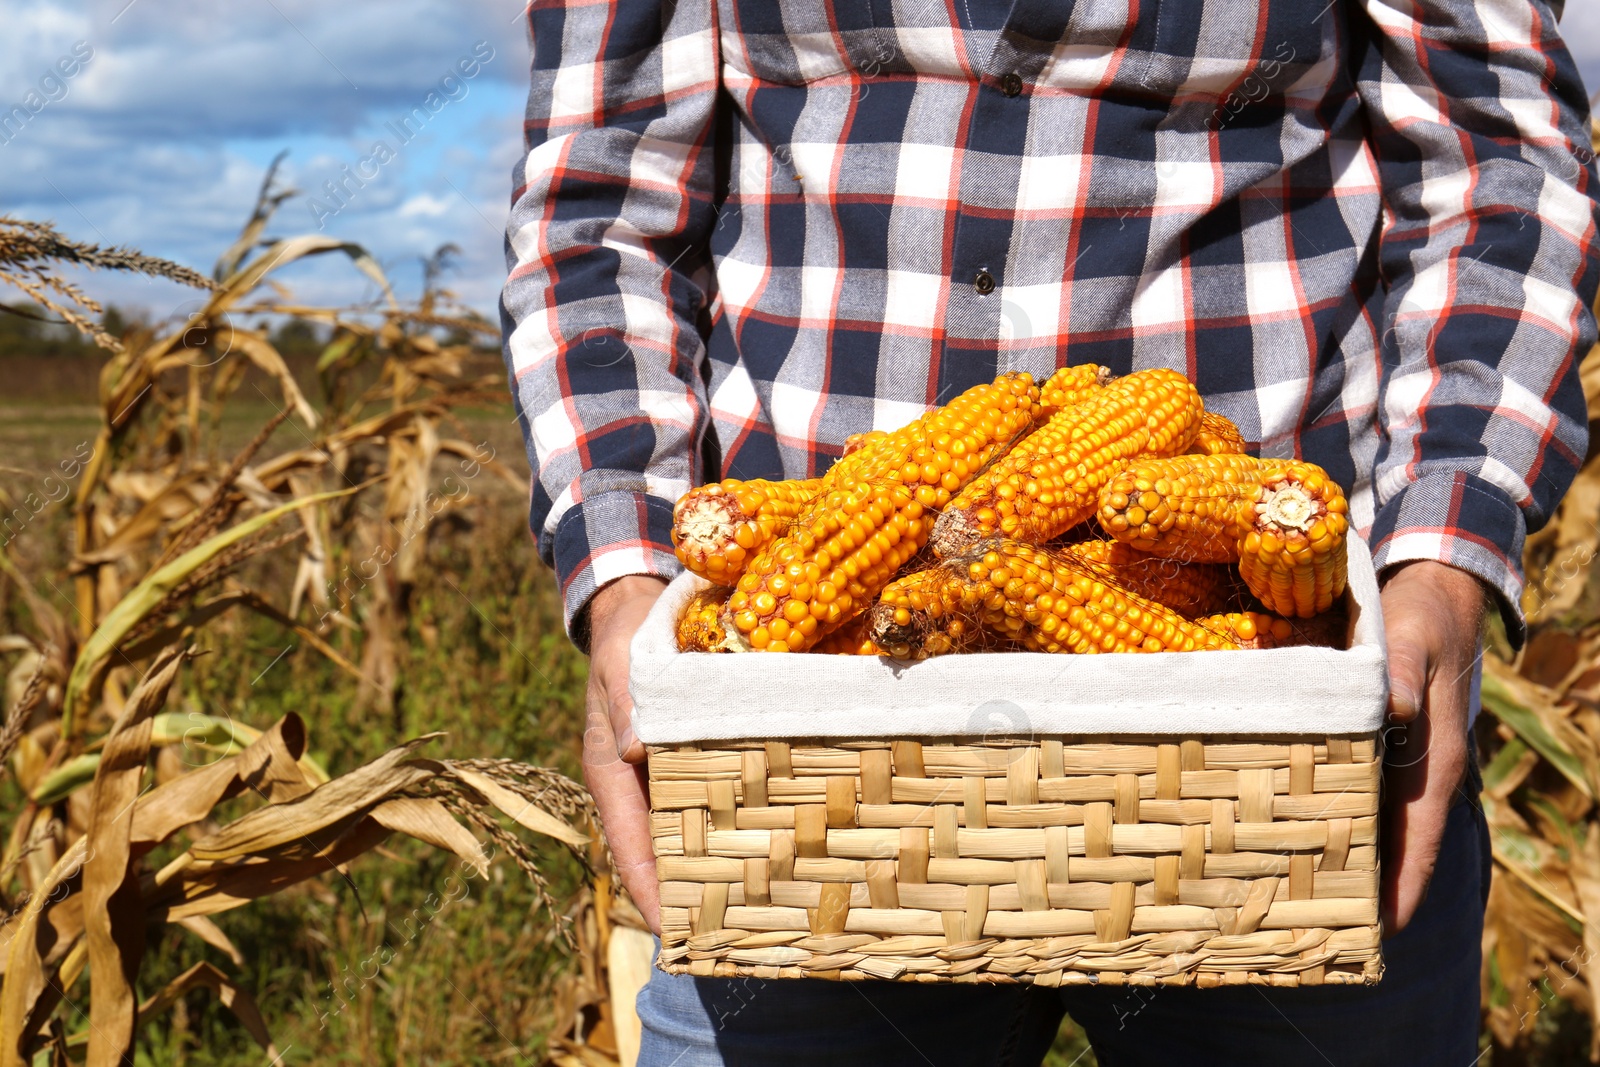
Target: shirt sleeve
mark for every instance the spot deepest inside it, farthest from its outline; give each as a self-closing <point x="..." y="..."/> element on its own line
<point x="1488" y="254"/>
<point x="608" y="277"/>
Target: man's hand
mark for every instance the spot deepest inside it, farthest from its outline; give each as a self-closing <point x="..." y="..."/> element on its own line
<point x="613" y="759"/>
<point x="1432" y="614"/>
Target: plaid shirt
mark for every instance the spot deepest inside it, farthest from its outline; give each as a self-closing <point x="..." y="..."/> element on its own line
<point x="744" y="230"/>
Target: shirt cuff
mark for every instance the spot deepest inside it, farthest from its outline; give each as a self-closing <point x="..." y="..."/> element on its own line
<point x="1466" y="522"/>
<point x="609" y="536"/>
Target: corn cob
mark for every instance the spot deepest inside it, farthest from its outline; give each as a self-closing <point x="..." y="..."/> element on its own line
<point x="700" y="626"/>
<point x="1190" y="589"/>
<point x="1050" y="602"/>
<point x="1259" y="629"/>
<point x="1194" y="508"/>
<point x="851" y="639"/>
<point x="857" y="441"/>
<point x="1293" y="558"/>
<point x="875" y="513"/>
<point x="947" y="446"/>
<point x="717" y="528"/>
<point x="1050" y="481"/>
<point x="1072" y="385"/>
<point x="927" y="613"/>
<point x="1218" y="436"/>
<point x="1252" y="629"/>
<point x="1284" y="521"/>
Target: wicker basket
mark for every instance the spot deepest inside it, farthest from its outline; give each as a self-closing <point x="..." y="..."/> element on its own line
<point x="1209" y="861"/>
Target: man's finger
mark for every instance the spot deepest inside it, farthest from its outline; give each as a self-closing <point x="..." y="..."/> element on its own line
<point x="620" y="801"/>
<point x="1408" y="675"/>
<point x="620" y="711"/>
<point x="1421" y="784"/>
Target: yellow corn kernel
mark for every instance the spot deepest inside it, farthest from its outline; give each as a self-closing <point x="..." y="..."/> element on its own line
<point x="1049" y="601"/>
<point x="857" y="441"/>
<point x="1072" y="385"/>
<point x="700" y="626"/>
<point x="851" y="639"/>
<point x="1283" y="521"/>
<point x="1253" y="629"/>
<point x="875" y="512"/>
<point x="716" y="529"/>
<point x="927" y="613"/>
<point x="1218" y="436"/>
<point x="1293" y="557"/>
<point x="1051" y="480"/>
<point x="1192" y="508"/>
<point x="1190" y="589"/>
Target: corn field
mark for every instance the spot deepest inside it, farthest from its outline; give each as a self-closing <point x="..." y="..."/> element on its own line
<point x="128" y="816"/>
<point x="146" y="806"/>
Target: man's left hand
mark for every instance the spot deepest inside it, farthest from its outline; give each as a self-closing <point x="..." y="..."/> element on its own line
<point x="1432" y="616"/>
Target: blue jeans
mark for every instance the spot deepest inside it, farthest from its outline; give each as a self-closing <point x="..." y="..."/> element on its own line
<point x="1423" y="1013"/>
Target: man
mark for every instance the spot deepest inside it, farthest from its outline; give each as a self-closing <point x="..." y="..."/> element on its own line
<point x="745" y="230"/>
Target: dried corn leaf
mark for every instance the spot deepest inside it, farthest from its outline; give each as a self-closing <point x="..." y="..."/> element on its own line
<point x="259" y="351"/>
<point x="212" y="934"/>
<point x="174" y="500"/>
<point x="235" y="999"/>
<point x="271" y="767"/>
<point x="153" y="589"/>
<point x="473" y="454"/>
<point x="1531" y="860"/>
<point x="1585" y="869"/>
<point x="222" y="737"/>
<point x="27" y="966"/>
<point x="209" y="890"/>
<point x="267" y="201"/>
<point x="520" y="810"/>
<point x="427" y="820"/>
<point x="113" y="904"/>
<point x="297" y="821"/>
<point x="1509" y="768"/>
<point x="287" y="251"/>
<point x="1528" y="711"/>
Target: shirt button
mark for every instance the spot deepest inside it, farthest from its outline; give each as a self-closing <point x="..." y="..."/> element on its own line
<point x="1011" y="84"/>
<point x="984" y="282"/>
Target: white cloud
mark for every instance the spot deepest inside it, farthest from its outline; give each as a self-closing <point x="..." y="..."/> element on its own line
<point x="424" y="205"/>
<point x="162" y="139"/>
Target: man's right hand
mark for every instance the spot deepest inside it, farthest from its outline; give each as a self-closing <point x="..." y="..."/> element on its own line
<point x="613" y="759"/>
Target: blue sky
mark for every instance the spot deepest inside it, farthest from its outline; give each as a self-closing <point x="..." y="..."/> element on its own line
<point x="160" y="139"/>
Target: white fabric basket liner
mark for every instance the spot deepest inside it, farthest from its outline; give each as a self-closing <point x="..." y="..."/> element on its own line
<point x="683" y="697"/>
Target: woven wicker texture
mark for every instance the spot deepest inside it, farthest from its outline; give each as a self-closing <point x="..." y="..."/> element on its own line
<point x="1208" y="862"/>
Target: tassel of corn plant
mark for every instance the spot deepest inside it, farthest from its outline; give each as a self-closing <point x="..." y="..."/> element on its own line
<point x="717" y="528"/>
<point x="1218" y="436"/>
<point x="874" y="514"/>
<point x="1190" y="589"/>
<point x="1283" y="521"/>
<point x="1051" y="480"/>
